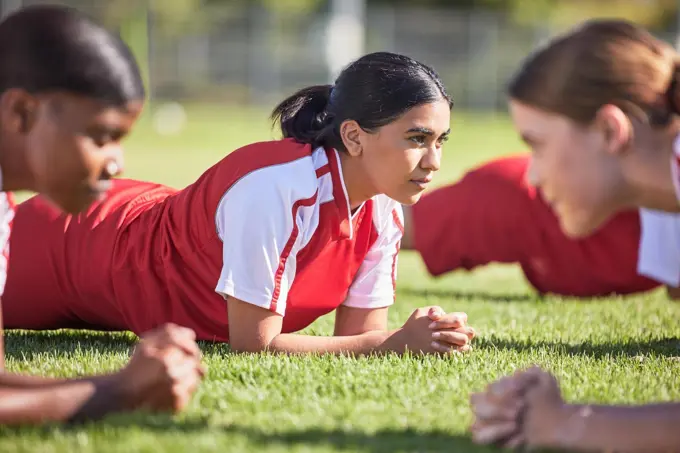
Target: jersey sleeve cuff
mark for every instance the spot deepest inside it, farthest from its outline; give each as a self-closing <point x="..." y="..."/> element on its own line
<point x="369" y="302"/>
<point x="660" y="275"/>
<point x="258" y="299"/>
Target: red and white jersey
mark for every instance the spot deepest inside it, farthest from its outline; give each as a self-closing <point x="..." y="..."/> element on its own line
<point x="7" y="208"/>
<point x="269" y="224"/>
<point x="276" y="219"/>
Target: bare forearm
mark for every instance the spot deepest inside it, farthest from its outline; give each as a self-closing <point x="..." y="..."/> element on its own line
<point x="75" y="400"/>
<point x="624" y="429"/>
<point x="358" y="332"/>
<point x="11" y="380"/>
<point x="366" y="343"/>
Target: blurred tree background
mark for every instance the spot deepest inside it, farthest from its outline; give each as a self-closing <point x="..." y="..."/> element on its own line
<point x="554" y="13"/>
<point x="253" y="51"/>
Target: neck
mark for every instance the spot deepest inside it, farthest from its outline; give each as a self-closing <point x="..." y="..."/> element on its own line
<point x="649" y="176"/>
<point x="16" y="174"/>
<point x="355" y="178"/>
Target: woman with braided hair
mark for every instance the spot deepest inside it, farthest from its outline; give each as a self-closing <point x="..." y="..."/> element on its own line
<point x="269" y="239"/>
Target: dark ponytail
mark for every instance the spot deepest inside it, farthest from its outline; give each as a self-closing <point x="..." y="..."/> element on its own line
<point x="374" y="90"/>
<point x="303" y="116"/>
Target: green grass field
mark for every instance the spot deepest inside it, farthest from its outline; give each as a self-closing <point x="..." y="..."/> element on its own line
<point x="617" y="350"/>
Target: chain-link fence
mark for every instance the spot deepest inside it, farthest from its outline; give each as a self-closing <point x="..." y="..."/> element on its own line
<point x="244" y="53"/>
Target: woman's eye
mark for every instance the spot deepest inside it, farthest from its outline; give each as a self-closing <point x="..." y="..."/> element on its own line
<point x="418" y="139"/>
<point x="101" y="140"/>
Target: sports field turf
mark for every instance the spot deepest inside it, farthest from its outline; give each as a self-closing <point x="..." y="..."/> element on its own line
<point x="612" y="350"/>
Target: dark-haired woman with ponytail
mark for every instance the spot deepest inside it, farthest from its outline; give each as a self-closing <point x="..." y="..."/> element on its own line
<point x="269" y="239"/>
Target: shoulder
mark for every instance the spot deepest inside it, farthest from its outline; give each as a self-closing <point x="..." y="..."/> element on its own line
<point x="268" y="153"/>
<point x="275" y="169"/>
<point x="265" y="169"/>
<point x="270" y="191"/>
<point x="507" y="171"/>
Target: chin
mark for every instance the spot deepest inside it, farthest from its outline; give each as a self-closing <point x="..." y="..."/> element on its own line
<point x="406" y="199"/>
<point x="579" y="228"/>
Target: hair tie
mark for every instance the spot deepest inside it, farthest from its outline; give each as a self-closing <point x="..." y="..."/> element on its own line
<point x="323" y="119"/>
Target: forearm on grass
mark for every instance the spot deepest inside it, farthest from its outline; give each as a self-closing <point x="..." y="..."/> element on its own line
<point x="20" y="381"/>
<point x="623" y="429"/>
<point x="57" y="401"/>
<point x="358" y="332"/>
<point x="367" y="343"/>
<point x="373" y="342"/>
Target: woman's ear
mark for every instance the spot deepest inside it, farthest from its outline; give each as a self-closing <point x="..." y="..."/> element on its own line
<point x="18" y="110"/>
<point x="351" y="133"/>
<point x="617" y="128"/>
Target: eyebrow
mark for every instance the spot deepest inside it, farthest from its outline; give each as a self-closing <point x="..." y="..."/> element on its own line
<point x="426" y="131"/>
<point x="116" y="132"/>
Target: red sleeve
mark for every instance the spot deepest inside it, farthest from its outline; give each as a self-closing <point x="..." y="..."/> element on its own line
<point x="481" y="219"/>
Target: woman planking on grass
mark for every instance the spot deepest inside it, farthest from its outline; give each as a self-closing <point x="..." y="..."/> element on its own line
<point x="70" y="91"/>
<point x="266" y="241"/>
<point x="600" y="109"/>
<point x="492" y="214"/>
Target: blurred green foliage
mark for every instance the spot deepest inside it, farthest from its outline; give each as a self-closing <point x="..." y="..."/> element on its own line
<point x="553" y="13"/>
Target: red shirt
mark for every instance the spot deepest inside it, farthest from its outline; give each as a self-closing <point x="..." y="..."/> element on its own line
<point x="270" y="224"/>
<point x="493" y="215"/>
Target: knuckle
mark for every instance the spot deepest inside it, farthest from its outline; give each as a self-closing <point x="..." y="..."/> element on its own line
<point x="188" y="332"/>
<point x="144" y="349"/>
<point x="170" y="326"/>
